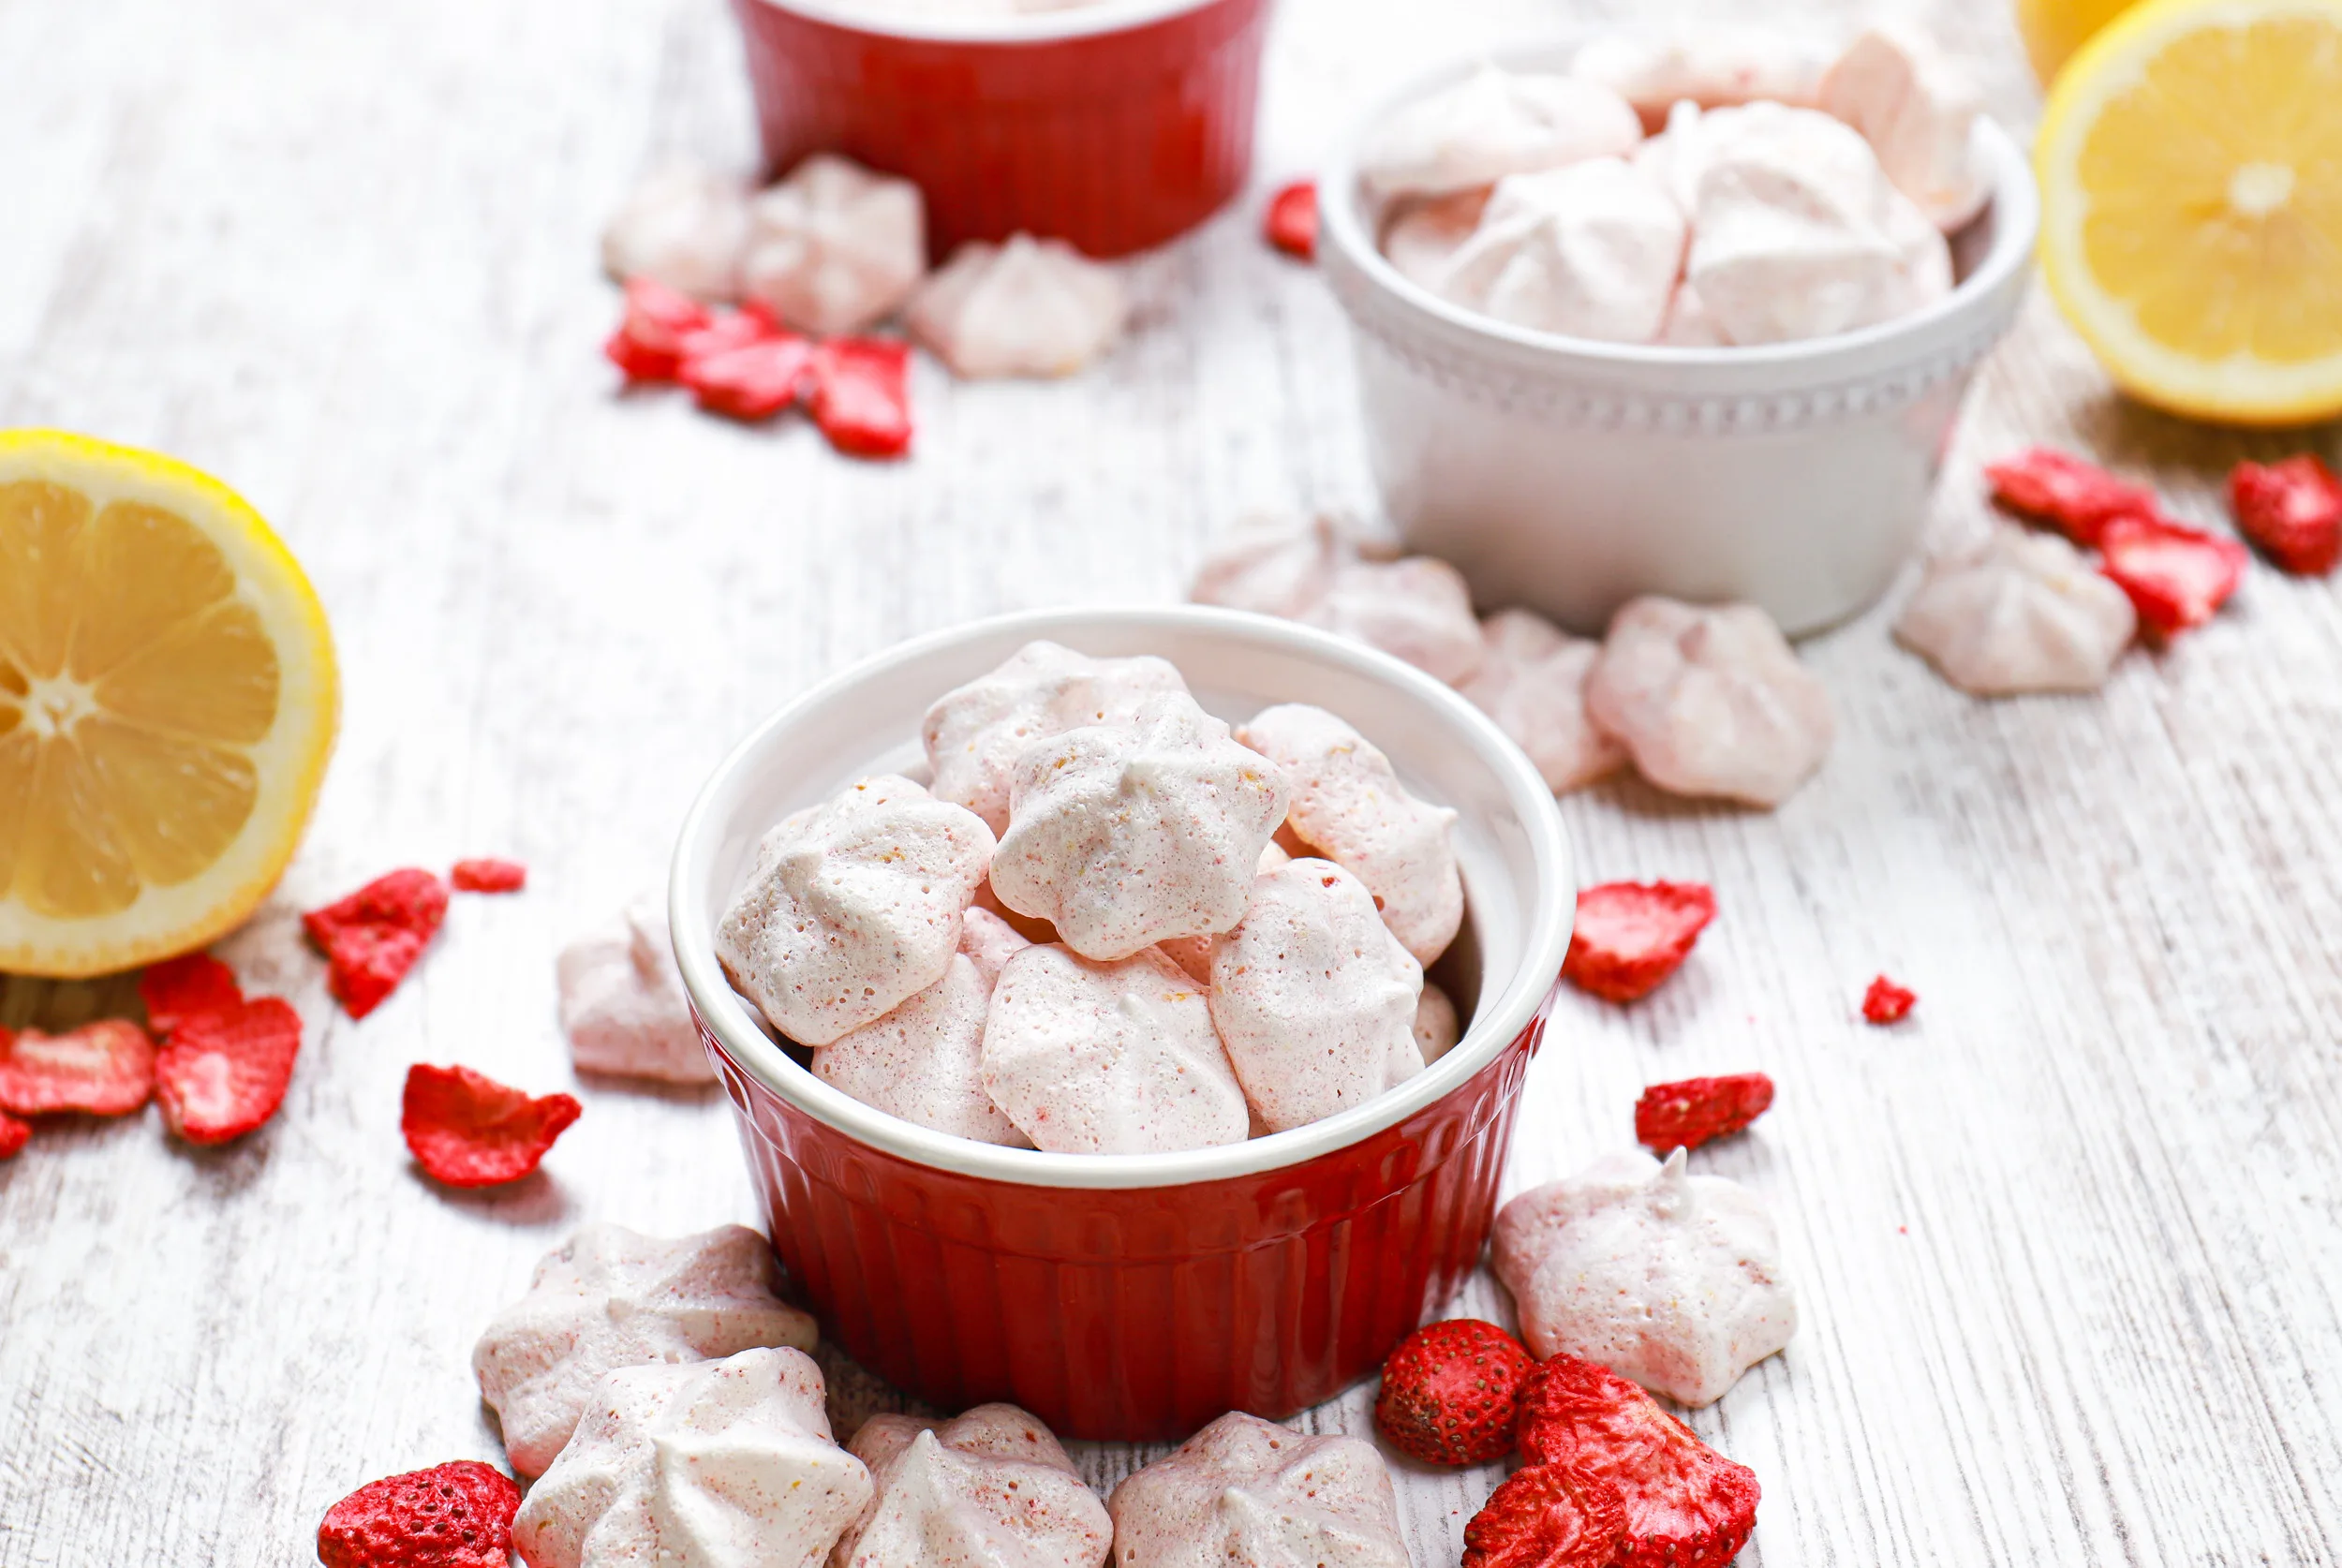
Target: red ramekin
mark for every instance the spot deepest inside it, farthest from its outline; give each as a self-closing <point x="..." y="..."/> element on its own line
<point x="1116" y="125"/>
<point x="1137" y="1297"/>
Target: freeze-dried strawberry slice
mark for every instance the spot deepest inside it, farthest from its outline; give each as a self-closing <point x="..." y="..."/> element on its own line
<point x="1690" y="1112"/>
<point x="2075" y="498"/>
<point x="738" y="329"/>
<point x="373" y="937"/>
<point x="466" y="1130"/>
<point x="1687" y="1506"/>
<point x="451" y="1515"/>
<point x="2292" y="510"/>
<point x="1630" y="936"/>
<point x="2176" y="576"/>
<point x="13" y="1135"/>
<point x="1887" y="1002"/>
<point x="1548" y="1516"/>
<point x="223" y="1074"/>
<point x="1451" y="1392"/>
<point x="488" y="875"/>
<point x="754" y="381"/>
<point x="1291" y="225"/>
<point x="862" y="395"/>
<point x="106" y="1069"/>
<point x="178" y="988"/>
<point x="648" y="344"/>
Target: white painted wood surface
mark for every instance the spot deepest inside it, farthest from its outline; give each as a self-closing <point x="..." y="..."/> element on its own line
<point x="2069" y="1242"/>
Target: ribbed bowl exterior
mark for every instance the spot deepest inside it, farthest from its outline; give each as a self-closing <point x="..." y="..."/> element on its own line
<point x="1112" y="140"/>
<point x="1133" y="1313"/>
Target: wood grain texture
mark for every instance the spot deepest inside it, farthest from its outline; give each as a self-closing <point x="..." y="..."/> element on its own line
<point x="2068" y="1242"/>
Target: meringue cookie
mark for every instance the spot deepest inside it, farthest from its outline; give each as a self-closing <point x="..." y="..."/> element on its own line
<point x="1313" y="997"/>
<point x="1589" y="250"/>
<point x="835" y="246"/>
<point x="1675" y="156"/>
<point x="1688" y="323"/>
<point x="855" y="908"/>
<point x="1532" y="683"/>
<point x="622" y="1005"/>
<point x="684" y="226"/>
<point x="992" y="1488"/>
<point x="1122" y="834"/>
<point x="1918" y="110"/>
<point x="1029" y="307"/>
<point x="1108" y="1057"/>
<point x="1710" y="702"/>
<point x="2020" y="612"/>
<point x="1493" y="124"/>
<point x="1247" y="1493"/>
<point x="1193" y="953"/>
<point x="1710" y="65"/>
<point x="974" y="734"/>
<point x="1348" y="805"/>
<point x="1271" y="567"/>
<point x="1670" y="1280"/>
<point x="1422" y="237"/>
<point x="1416" y="609"/>
<point x="721" y="1464"/>
<point x="1436" y="1026"/>
<point x="610" y="1298"/>
<point x="924" y="1061"/>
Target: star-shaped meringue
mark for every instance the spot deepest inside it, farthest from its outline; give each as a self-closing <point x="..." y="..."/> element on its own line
<point x="1491" y="124"/>
<point x="2021" y="611"/>
<point x="1532" y="683"/>
<point x="1248" y="1491"/>
<point x="990" y="1489"/>
<point x="622" y="1004"/>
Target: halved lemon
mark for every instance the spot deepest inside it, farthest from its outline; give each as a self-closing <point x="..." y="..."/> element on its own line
<point x="167" y="700"/>
<point x="2191" y="161"/>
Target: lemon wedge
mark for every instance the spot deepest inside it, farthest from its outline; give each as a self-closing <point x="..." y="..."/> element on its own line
<point x="168" y="700"/>
<point x="2190" y="162"/>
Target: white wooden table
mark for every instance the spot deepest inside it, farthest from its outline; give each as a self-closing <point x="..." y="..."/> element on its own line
<point x="2069" y="1242"/>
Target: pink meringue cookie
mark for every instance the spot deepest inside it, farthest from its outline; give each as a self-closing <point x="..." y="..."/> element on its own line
<point x="2021" y="611"/>
<point x="1688" y="323"/>
<point x="1247" y="1493"/>
<point x="683" y="226"/>
<point x="924" y="1061"/>
<point x="717" y="1464"/>
<point x="1028" y="307"/>
<point x="1588" y="250"/>
<point x="834" y="247"/>
<point x="1710" y="64"/>
<point x="1675" y="156"/>
<point x="1314" y="998"/>
<point x="1268" y="566"/>
<point x="990" y="1489"/>
<point x="855" y="908"/>
<point x="1710" y="700"/>
<point x="622" y="1006"/>
<point x="1918" y="110"/>
<point x="1415" y="607"/>
<point x="1422" y="237"/>
<point x="1532" y="683"/>
<point x="1348" y="805"/>
<point x="1493" y="124"/>
<point x="1670" y="1280"/>
<point x="1193" y="953"/>
<point x="1122" y="834"/>
<point x="610" y="1298"/>
<point x="974" y="734"/>
<point x="1108" y="1057"/>
<point x="1436" y="1027"/>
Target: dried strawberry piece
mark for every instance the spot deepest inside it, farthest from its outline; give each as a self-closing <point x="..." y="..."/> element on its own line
<point x="1887" y="1002"/>
<point x="373" y="937"/>
<point x="754" y="381"/>
<point x="451" y="1515"/>
<point x="13" y="1135"/>
<point x="1687" y="1506"/>
<point x="466" y="1130"/>
<point x="105" y="1069"/>
<point x="487" y="874"/>
<point x="862" y="395"/>
<point x="1451" y="1392"/>
<point x="1548" y="1516"/>
<point x="1631" y="935"/>
<point x="1691" y="1111"/>
<point x="178" y="988"/>
<point x="2292" y="510"/>
<point x="2075" y="498"/>
<point x="223" y="1074"/>
<point x="1292" y="222"/>
<point x="750" y="324"/>
<point x="2176" y="576"/>
<point x="648" y="344"/>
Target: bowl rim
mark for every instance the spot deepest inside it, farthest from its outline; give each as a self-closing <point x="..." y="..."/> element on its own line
<point x="2014" y="206"/>
<point x="723" y="1013"/>
<point x="1084" y="21"/>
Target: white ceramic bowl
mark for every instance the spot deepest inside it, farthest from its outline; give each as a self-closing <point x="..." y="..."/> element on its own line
<point x="1570" y="475"/>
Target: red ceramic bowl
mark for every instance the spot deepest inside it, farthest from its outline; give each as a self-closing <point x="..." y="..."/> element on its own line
<point x="1114" y="125"/>
<point x="1139" y="1296"/>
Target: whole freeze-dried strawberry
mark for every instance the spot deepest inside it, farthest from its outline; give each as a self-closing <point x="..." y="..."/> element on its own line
<point x="1291" y="225"/>
<point x="752" y="380"/>
<point x="648" y="344"/>
<point x="222" y="1074"/>
<point x="466" y="1130"/>
<point x="451" y="1515"/>
<point x="1688" y="1113"/>
<point x="488" y="874"/>
<point x="105" y="1069"/>
<point x="2292" y="510"/>
<point x="1631" y="935"/>
<point x="2075" y="498"/>
<point x="13" y="1134"/>
<point x="2176" y="576"/>
<point x="1451" y="1392"/>
<point x="862" y="395"/>
<point x="373" y="937"/>
<point x="1548" y="1516"/>
<point x="178" y="988"/>
<point x="1687" y="1506"/>
<point x="1887" y="1002"/>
